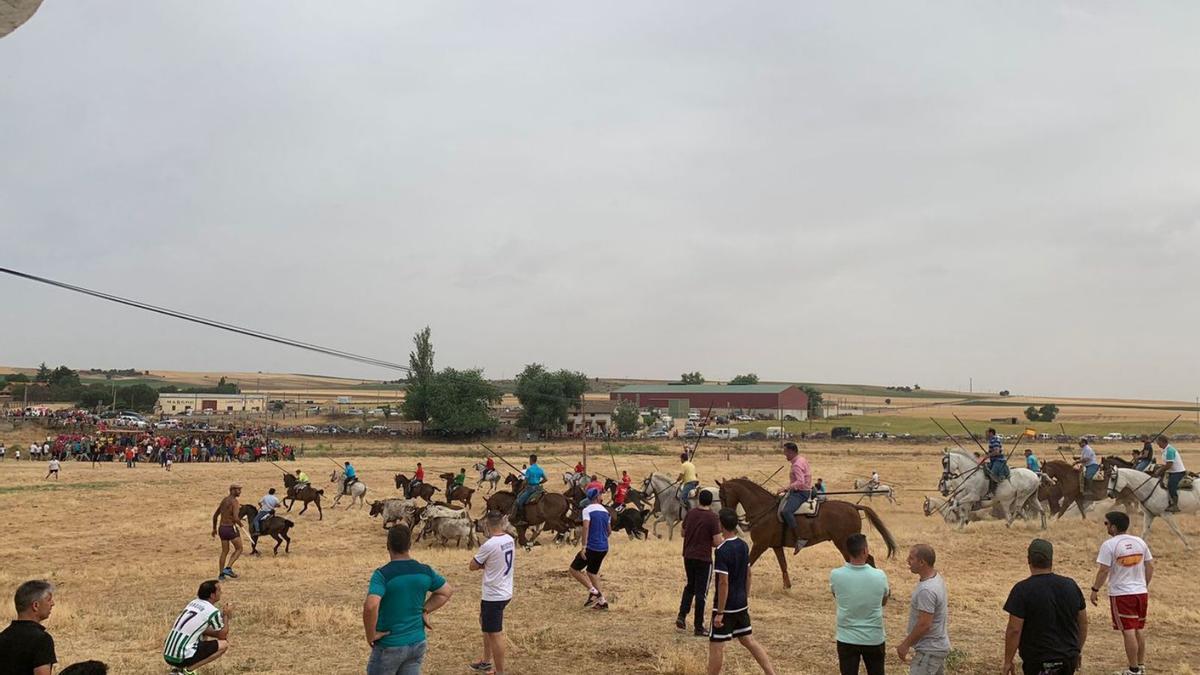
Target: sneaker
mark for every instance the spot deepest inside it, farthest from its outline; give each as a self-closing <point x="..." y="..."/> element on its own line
<point x="222" y="576"/>
<point x="700" y="631"/>
<point x="230" y="573"/>
<point x="680" y="623"/>
<point x="481" y="666"/>
<point x="592" y="597"/>
<point x="600" y="605"/>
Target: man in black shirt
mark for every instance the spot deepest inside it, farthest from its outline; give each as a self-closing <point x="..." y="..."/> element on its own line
<point x="25" y="646"/>
<point x="731" y="602"/>
<point x="1047" y="618"/>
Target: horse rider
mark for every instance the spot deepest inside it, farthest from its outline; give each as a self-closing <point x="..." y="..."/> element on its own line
<point x="417" y="479"/>
<point x="874" y="483"/>
<point x="687" y="479"/>
<point x="1175" y="472"/>
<point x="622" y="490"/>
<point x="266" y="509"/>
<point x="489" y="466"/>
<point x="461" y="478"/>
<point x="350" y="476"/>
<point x="534" y="480"/>
<point x="819" y="489"/>
<point x="799" y="489"/>
<point x="1031" y="462"/>
<point x="1088" y="462"/>
<point x="302" y="480"/>
<point x="1145" y="457"/>
<point x="997" y="464"/>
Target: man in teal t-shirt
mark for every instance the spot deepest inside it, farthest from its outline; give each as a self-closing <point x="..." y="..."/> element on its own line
<point x="861" y="592"/>
<point x="401" y="594"/>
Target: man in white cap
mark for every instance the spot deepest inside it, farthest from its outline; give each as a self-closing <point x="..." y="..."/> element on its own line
<point x="597" y="526"/>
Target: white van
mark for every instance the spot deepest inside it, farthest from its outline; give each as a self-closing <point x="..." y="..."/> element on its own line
<point x="1114" y="436"/>
<point x="723" y="433"/>
<point x="774" y="432"/>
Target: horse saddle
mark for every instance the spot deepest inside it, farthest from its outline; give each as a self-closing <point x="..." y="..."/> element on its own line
<point x="808" y="509"/>
<point x="1186" y="483"/>
<point x="535" y="497"/>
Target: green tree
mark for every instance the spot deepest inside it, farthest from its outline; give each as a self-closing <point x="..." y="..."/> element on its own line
<point x="63" y="376"/>
<point x="1047" y="413"/>
<point x="17" y="377"/>
<point x="748" y="378"/>
<point x="691" y="378"/>
<point x="416" y="405"/>
<point x="460" y="403"/>
<point x="547" y="397"/>
<point x="815" y="399"/>
<point x="1032" y="414"/>
<point x="626" y="417"/>
<point x="43" y="373"/>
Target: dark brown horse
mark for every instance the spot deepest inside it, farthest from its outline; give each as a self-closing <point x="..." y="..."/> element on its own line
<point x="632" y="495"/>
<point x="457" y="493"/>
<point x="306" y="494"/>
<point x="424" y="490"/>
<point x="834" y="522"/>
<point x="275" y="527"/>
<point x="549" y="511"/>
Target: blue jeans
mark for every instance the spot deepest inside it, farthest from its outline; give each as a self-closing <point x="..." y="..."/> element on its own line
<point x="1142" y="464"/>
<point x="527" y="494"/>
<point x="1089" y="471"/>
<point x="794" y="499"/>
<point x="1173" y="484"/>
<point x="403" y="660"/>
<point x="686" y="492"/>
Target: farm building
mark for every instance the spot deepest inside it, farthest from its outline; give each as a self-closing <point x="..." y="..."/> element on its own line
<point x="595" y="417"/>
<point x="178" y="404"/>
<point x="772" y="399"/>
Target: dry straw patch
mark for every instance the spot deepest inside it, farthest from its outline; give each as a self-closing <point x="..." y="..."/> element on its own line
<point x="127" y="549"/>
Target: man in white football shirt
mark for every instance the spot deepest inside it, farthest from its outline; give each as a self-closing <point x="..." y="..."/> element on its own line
<point x="495" y="558"/>
<point x="1126" y="563"/>
<point x="186" y="647"/>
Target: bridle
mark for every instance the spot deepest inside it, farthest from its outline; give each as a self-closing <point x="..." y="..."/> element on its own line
<point x="1112" y="487"/>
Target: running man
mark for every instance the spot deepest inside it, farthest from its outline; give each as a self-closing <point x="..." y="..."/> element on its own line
<point x="185" y="648"/>
<point x="227" y="513"/>
<point x="53" y="469"/>
<point x="597" y="526"/>
<point x="731" y="610"/>
<point x="496" y="558"/>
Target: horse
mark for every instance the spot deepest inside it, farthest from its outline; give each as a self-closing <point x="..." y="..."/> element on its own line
<point x="1152" y="495"/>
<point x="878" y="489"/>
<point x="549" y="511"/>
<point x="1067" y="478"/>
<point x="835" y="521"/>
<point x="490" y="476"/>
<point x="357" y="490"/>
<point x="424" y="490"/>
<point x="274" y="526"/>
<point x="306" y="494"/>
<point x="668" y="506"/>
<point x="456" y="493"/>
<point x="964" y="483"/>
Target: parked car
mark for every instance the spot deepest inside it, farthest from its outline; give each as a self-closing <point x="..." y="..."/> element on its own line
<point x="1114" y="436"/>
<point x="660" y="433"/>
<point x="168" y="424"/>
<point x="309" y="429"/>
<point x="744" y="418"/>
<point x="724" y="433"/>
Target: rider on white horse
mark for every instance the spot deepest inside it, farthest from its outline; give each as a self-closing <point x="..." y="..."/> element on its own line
<point x="349" y="476"/>
<point x="687" y="478"/>
<point x="997" y="463"/>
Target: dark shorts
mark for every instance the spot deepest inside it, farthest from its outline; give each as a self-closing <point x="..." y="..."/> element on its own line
<point x="1056" y="667"/>
<point x="205" y="649"/>
<point x="591" y="563"/>
<point x="734" y="625"/>
<point x="491" y="615"/>
<point x="227" y="533"/>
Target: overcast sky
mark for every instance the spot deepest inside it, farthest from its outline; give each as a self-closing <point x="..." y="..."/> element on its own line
<point x="888" y="193"/>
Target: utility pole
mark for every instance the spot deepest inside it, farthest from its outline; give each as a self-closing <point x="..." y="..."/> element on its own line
<point x="970" y="385"/>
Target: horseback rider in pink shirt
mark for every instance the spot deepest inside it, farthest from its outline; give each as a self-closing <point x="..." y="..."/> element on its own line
<point x="799" y="489"/>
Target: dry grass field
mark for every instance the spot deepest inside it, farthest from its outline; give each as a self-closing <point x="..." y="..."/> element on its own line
<point x="127" y="549"/>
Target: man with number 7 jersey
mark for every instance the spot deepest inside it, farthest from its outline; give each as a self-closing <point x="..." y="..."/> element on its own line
<point x="495" y="558"/>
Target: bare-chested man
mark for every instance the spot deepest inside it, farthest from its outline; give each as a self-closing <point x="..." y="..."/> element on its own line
<point x="227" y="511"/>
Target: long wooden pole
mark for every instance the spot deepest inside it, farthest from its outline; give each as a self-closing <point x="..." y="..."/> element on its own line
<point x="972" y="435"/>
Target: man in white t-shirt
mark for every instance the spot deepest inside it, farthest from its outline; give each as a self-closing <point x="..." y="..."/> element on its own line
<point x="53" y="469"/>
<point x="186" y="648"/>
<point x="495" y="557"/>
<point x="1126" y="563"/>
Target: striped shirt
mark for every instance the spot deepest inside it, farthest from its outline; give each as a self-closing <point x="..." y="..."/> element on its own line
<point x="995" y="448"/>
<point x="197" y="617"/>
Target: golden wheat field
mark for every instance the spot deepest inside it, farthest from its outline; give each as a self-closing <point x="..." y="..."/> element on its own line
<point x="127" y="548"/>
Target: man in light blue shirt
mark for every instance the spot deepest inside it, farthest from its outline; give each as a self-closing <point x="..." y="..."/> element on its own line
<point x="534" y="478"/>
<point x="861" y="592"/>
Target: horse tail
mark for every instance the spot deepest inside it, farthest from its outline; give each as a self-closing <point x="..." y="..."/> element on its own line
<point x="883" y="531"/>
<point x="321" y="491"/>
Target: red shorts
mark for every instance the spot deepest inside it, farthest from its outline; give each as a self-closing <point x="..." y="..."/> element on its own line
<point x="1128" y="611"/>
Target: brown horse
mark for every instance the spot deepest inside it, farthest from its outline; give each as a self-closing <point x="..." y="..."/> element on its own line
<point x="275" y="527"/>
<point x="1066" y="478"/>
<point x="306" y="494"/>
<point x="550" y="511"/>
<point x="424" y="490"/>
<point x="457" y="493"/>
<point x="834" y="522"/>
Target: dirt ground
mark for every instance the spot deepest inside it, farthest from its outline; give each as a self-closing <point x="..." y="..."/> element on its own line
<point x="128" y="547"/>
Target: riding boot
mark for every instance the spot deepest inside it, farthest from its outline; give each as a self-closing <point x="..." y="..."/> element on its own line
<point x="799" y="541"/>
<point x="1173" y="504"/>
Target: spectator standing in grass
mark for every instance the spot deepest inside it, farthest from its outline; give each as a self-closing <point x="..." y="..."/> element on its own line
<point x="496" y="558"/>
<point x="701" y="532"/>
<point x="1126" y="564"/>
<point x="1047" y="619"/>
<point x="861" y="592"/>
<point x="25" y="646"/>
<point x="731" y="604"/>
<point x="928" y="617"/>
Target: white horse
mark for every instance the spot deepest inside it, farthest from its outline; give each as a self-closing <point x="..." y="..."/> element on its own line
<point x="357" y="489"/>
<point x="878" y="489"/>
<point x="667" y="505"/>
<point x="1153" y="498"/>
<point x="965" y="483"/>
<point x="487" y="476"/>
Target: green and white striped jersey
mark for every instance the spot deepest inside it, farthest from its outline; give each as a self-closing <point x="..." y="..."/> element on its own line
<point x="197" y="617"/>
